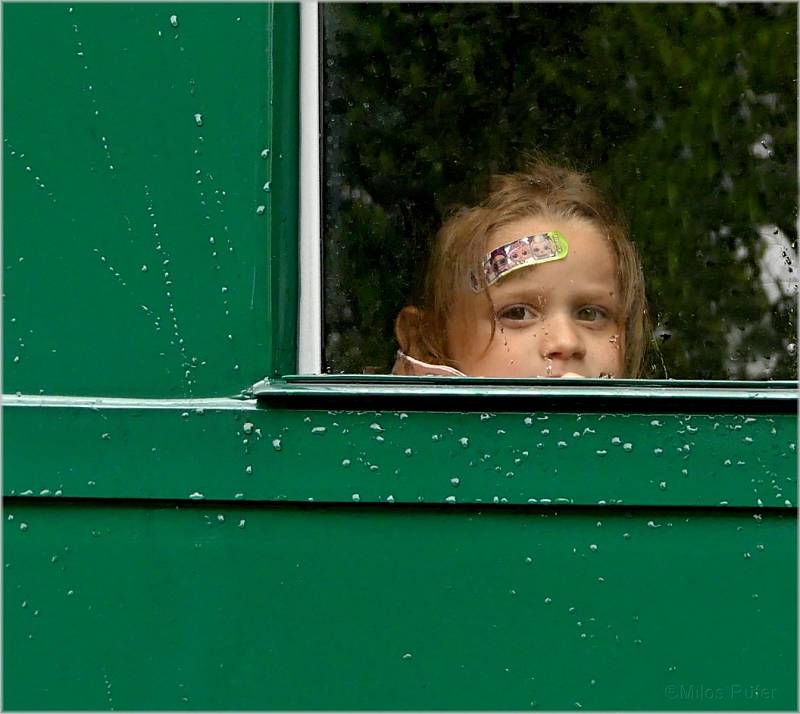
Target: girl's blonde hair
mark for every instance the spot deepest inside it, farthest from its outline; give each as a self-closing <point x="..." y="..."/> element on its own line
<point x="541" y="188"/>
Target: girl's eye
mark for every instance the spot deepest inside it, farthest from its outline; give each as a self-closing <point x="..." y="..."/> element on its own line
<point x="516" y="313"/>
<point x="591" y="314"/>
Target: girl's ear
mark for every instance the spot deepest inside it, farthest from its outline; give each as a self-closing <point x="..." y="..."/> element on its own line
<point x="408" y="332"/>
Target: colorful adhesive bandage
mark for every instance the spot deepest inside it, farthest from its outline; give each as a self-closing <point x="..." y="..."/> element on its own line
<point x="520" y="253"/>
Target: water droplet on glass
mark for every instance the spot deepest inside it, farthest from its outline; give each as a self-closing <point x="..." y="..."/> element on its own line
<point x="260" y="210"/>
<point x="464" y="441"/>
<point x="264" y="153"/>
<point x="276" y="444"/>
<point x="242" y="523"/>
<point x="247" y="427"/>
<point x="267" y="186"/>
<point x="356" y="497"/>
<point x="196" y="495"/>
<point x="173" y="20"/>
<point x="318" y="430"/>
<point x="593" y="547"/>
<point x="248" y="469"/>
<point x="663" y="485"/>
<point x="455" y="481"/>
<point x="23" y="526"/>
<point x="627" y="446"/>
<point x="450" y="499"/>
<point x="198" y="119"/>
<point x="548" y="600"/>
<point x="407" y="655"/>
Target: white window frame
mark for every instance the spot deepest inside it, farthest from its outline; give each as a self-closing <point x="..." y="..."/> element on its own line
<point x="309" y="322"/>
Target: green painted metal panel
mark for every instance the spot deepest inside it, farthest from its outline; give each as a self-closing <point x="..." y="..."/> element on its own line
<point x="253" y="591"/>
<point x="136" y="259"/>
<point x="227" y="450"/>
<point x="283" y="304"/>
<point x="231" y="606"/>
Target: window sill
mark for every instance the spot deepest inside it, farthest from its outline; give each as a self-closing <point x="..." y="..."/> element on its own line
<point x="468" y="393"/>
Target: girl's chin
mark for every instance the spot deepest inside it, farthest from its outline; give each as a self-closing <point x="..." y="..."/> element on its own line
<point x="565" y="375"/>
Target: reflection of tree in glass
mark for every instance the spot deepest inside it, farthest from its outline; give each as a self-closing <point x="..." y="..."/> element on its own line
<point x="685" y="113"/>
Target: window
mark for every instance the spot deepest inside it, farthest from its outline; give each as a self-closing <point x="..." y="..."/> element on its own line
<point x="684" y="114"/>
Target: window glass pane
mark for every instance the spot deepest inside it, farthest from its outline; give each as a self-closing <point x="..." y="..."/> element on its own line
<point x="684" y="115"/>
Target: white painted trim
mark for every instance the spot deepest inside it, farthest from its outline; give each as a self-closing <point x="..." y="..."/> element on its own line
<point x="42" y="400"/>
<point x="309" y="323"/>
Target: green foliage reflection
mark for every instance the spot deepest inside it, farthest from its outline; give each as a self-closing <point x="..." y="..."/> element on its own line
<point x="685" y="114"/>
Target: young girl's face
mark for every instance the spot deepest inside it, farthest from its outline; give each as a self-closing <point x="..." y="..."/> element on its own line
<point x="550" y="319"/>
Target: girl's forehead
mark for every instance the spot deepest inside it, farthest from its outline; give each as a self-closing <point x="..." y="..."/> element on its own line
<point x="577" y="231"/>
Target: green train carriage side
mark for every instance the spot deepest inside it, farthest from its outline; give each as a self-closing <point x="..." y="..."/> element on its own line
<point x="175" y="538"/>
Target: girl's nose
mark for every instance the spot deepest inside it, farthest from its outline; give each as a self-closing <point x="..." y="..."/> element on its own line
<point x="562" y="339"/>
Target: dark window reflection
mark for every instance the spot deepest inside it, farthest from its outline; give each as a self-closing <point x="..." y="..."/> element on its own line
<point x="684" y="114"/>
